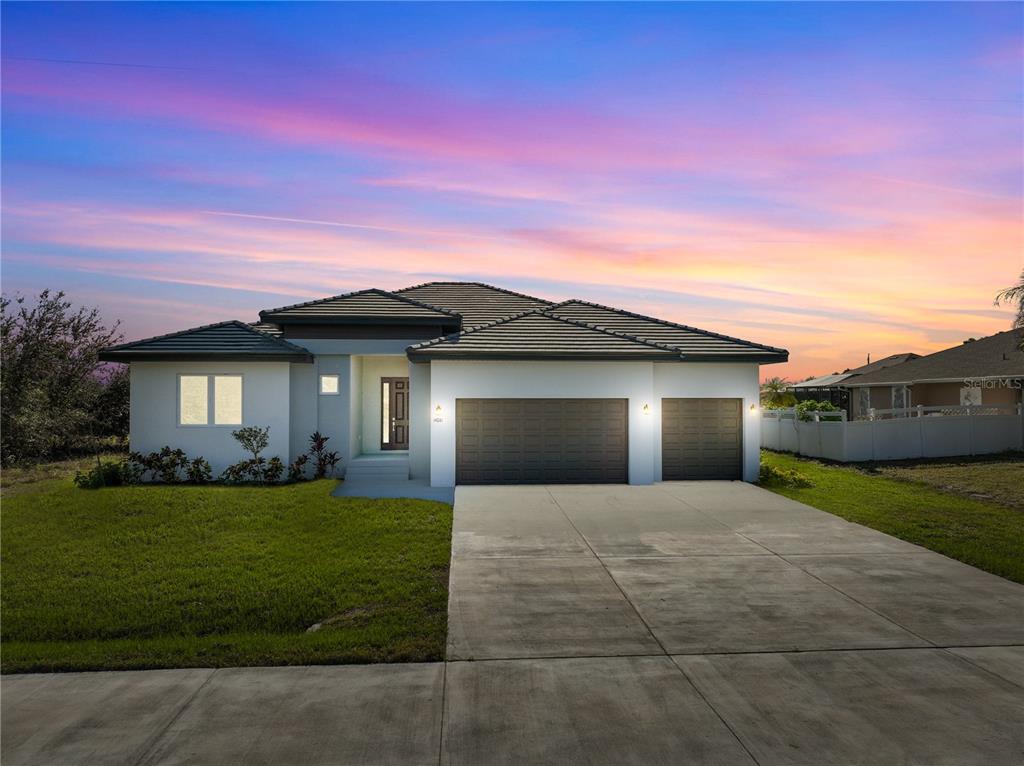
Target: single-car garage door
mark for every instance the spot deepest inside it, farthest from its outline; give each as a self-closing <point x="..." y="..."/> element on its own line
<point x="701" y="439"/>
<point x="541" y="441"/>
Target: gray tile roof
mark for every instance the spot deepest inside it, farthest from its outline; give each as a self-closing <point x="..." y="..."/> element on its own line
<point x="222" y="341"/>
<point x="540" y="335"/>
<point x="477" y="302"/>
<point x="695" y="344"/>
<point x="495" y="324"/>
<point x="366" y="305"/>
<point x="267" y="327"/>
<point x="996" y="356"/>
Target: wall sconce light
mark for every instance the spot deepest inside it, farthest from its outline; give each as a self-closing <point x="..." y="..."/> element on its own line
<point x="438" y="418"/>
<point x="646" y="409"/>
<point x="437" y="410"/>
<point x="753" y="408"/>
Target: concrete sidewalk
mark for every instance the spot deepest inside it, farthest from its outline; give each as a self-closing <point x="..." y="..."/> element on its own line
<point x="679" y="623"/>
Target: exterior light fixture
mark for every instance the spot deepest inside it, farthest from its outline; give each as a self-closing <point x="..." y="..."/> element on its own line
<point x="753" y="408"/>
<point x="437" y="410"/>
<point x="646" y="409"/>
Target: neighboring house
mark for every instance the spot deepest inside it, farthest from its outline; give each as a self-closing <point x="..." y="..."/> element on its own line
<point x="459" y="383"/>
<point x="988" y="371"/>
<point x="833" y="388"/>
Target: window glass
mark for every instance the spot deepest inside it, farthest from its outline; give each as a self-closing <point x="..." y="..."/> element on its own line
<point x="227" y="400"/>
<point x="970" y="396"/>
<point x="192" y="405"/>
<point x="328" y="384"/>
<point x="385" y="404"/>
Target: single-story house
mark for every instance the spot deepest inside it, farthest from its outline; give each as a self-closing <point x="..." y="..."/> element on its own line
<point x="459" y="383"/>
<point x="832" y="388"/>
<point x="987" y="372"/>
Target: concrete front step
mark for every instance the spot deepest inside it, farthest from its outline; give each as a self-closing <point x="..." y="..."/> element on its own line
<point x="378" y="468"/>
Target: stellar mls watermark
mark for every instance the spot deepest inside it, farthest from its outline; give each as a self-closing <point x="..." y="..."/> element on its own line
<point x="991" y="383"/>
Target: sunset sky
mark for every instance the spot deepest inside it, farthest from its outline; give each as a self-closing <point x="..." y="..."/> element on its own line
<point x="835" y="179"/>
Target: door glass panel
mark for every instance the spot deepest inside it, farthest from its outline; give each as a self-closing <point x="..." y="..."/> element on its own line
<point x="385" y="412"/>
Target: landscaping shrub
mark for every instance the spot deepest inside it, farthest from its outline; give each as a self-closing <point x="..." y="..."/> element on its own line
<point x="199" y="471"/>
<point x="168" y="465"/>
<point x="256" y="469"/>
<point x="771" y="476"/>
<point x="107" y="475"/>
<point x="325" y="461"/>
<point x="803" y="410"/>
<point x="297" y="469"/>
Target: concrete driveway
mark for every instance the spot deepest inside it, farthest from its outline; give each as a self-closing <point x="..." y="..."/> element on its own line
<point x="718" y="623"/>
<point x="698" y="623"/>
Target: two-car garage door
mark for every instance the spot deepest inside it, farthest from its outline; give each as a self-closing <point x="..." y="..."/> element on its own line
<point x="585" y="441"/>
<point x="541" y="441"/>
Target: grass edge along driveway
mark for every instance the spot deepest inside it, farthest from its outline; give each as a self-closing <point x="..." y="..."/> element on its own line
<point x="980" y="533"/>
<point x="213" y="576"/>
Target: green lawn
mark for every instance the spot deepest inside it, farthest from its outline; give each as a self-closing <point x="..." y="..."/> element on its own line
<point x="982" y="533"/>
<point x="151" y="576"/>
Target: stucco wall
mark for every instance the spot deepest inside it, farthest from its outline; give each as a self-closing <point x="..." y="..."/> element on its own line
<point x="729" y="381"/>
<point x="420" y="413"/>
<point x="154" y="409"/>
<point x="639" y="382"/>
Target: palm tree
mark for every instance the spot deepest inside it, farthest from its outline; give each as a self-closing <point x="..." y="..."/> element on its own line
<point x="775" y="393"/>
<point x="1013" y="295"/>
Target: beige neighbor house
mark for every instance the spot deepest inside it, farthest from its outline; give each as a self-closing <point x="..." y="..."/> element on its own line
<point x="985" y="372"/>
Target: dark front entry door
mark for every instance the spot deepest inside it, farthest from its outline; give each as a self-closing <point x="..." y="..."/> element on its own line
<point x="394" y="413"/>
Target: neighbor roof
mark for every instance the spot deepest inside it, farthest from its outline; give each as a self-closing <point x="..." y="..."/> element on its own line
<point x="540" y="335"/>
<point x="371" y="305"/>
<point x="824" y="381"/>
<point x="881" y="364"/>
<point x="695" y="344"/>
<point x="478" y="303"/>
<point x="216" y="342"/>
<point x="996" y="356"/>
<point x="840" y="378"/>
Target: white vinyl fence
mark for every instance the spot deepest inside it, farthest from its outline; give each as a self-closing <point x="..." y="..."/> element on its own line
<point x="895" y="435"/>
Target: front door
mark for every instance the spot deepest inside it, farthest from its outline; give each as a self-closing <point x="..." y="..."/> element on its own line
<point x="394" y="413"/>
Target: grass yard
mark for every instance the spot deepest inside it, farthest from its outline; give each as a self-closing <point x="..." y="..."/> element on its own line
<point x="979" y="532"/>
<point x="156" y="576"/>
<point x="998" y="478"/>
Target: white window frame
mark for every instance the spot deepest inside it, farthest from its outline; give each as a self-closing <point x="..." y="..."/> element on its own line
<point x="320" y="384"/>
<point x="211" y="399"/>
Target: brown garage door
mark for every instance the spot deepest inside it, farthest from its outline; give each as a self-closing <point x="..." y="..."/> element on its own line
<point x="540" y="441"/>
<point x="701" y="439"/>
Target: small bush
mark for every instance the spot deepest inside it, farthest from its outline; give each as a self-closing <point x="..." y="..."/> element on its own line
<point x="168" y="465"/>
<point x="199" y="471"/>
<point x="325" y="461"/>
<point x="253" y="439"/>
<point x="783" y="477"/>
<point x="103" y="475"/>
<point x="273" y="470"/>
<point x="805" y="408"/>
<point x="297" y="470"/>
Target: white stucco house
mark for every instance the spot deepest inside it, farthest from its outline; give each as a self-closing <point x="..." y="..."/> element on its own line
<point x="458" y="383"/>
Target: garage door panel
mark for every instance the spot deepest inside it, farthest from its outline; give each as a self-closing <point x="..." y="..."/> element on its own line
<point x="701" y="439"/>
<point x="533" y="441"/>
